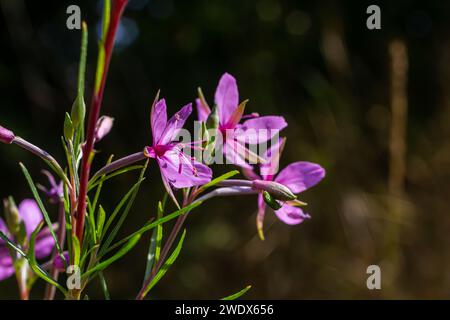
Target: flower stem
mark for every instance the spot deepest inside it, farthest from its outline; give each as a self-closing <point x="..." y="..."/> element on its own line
<point x="21" y="276"/>
<point x="235" y="183"/>
<point x="118" y="164"/>
<point x="94" y="113"/>
<point x="45" y="156"/>
<point x="50" y="290"/>
<point x="228" y="191"/>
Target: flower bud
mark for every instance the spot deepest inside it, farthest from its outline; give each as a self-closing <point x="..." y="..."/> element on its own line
<point x="103" y="127"/>
<point x="276" y="190"/>
<point x="68" y="127"/>
<point x="212" y="122"/>
<point x="21" y="234"/>
<point x="12" y="215"/>
<point x="78" y="112"/>
<point x="270" y="201"/>
<point x="6" y="136"/>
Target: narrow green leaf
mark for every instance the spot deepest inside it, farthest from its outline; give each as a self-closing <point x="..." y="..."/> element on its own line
<point x="166" y="265"/>
<point x="12" y="245"/>
<point x="119" y="207"/>
<point x="217" y="180"/>
<point x="100" y="220"/>
<point x="92" y="227"/>
<point x="41" y="273"/>
<point x="159" y="234"/>
<point x="82" y="66"/>
<point x="119" y="254"/>
<point x="155" y="244"/>
<point x="125" y="212"/>
<point x="237" y="294"/>
<point x="100" y="67"/>
<point x="96" y="182"/>
<point x="150" y="225"/>
<point x="76" y="250"/>
<point x="86" y="255"/>
<point x="106" y="18"/>
<point x="41" y="206"/>
<point x="104" y="285"/>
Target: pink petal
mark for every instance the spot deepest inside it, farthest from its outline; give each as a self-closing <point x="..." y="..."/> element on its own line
<point x="30" y="214"/>
<point x="250" y="174"/>
<point x="5" y="258"/>
<point x="272" y="156"/>
<point x="6" y="266"/>
<point x="168" y="188"/>
<point x="175" y="124"/>
<point x="58" y="263"/>
<point x="6" y="272"/>
<point x="44" y="244"/>
<point x="103" y="127"/>
<point x="260" y="129"/>
<point x="182" y="172"/>
<point x="202" y="110"/>
<point x="158" y="118"/>
<point x="226" y="97"/>
<point x="299" y="176"/>
<point x="291" y="215"/>
<point x="232" y="156"/>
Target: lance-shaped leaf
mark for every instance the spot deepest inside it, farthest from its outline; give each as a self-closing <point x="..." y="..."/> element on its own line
<point x="132" y="196"/>
<point x="237" y="294"/>
<point x="215" y="181"/>
<point x="166" y="265"/>
<point x="41" y="273"/>
<point x="155" y="242"/>
<point x="42" y="208"/>
<point x="150" y="225"/>
<point x="119" y="254"/>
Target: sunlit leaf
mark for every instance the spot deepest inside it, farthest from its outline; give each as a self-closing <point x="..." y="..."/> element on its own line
<point x="166" y="265"/>
<point x="119" y="254"/>
<point x="42" y="208"/>
<point x="237" y="294"/>
<point x="155" y="242"/>
<point x="150" y="225"/>
<point x="217" y="180"/>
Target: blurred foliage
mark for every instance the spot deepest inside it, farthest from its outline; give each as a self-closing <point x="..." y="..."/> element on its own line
<point x="313" y="62"/>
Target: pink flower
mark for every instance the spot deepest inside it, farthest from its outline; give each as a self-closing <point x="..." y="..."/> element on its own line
<point x="55" y="191"/>
<point x="103" y="127"/>
<point x="297" y="176"/>
<point x="235" y="135"/>
<point x="177" y="169"/>
<point x="6" y="136"/>
<point x="31" y="215"/>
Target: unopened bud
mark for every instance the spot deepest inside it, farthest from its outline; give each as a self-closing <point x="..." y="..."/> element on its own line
<point x="212" y="122"/>
<point x="68" y="127"/>
<point x="270" y="201"/>
<point x="12" y="215"/>
<point x="276" y="190"/>
<point x="78" y="112"/>
<point x="21" y="234"/>
<point x="6" y="136"/>
<point x="103" y="127"/>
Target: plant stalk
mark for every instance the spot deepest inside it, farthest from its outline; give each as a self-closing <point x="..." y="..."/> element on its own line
<point x="94" y="113"/>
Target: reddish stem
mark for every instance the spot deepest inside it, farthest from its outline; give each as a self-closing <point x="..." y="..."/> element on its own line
<point x="118" y="7"/>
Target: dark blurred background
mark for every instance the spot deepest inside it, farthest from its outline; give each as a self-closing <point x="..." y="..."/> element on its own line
<point x="347" y="93"/>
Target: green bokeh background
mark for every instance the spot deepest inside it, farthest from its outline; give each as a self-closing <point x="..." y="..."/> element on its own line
<point x="315" y="63"/>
